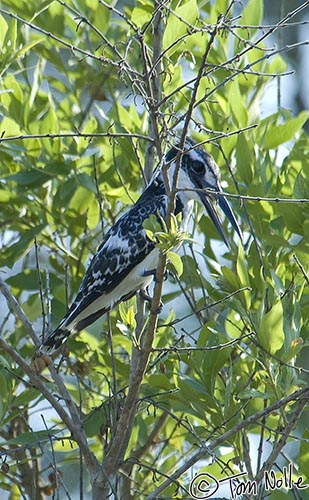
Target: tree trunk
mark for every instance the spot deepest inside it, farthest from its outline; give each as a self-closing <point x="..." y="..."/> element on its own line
<point x="103" y="486"/>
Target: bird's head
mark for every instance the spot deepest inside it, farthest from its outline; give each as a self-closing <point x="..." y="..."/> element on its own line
<point x="198" y="171"/>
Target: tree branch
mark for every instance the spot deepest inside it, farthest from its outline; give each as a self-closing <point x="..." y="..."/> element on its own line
<point x="301" y="394"/>
<point x="73" y="420"/>
<point x="283" y="439"/>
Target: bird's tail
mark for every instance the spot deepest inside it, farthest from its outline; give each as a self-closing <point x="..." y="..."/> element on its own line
<point x="54" y="340"/>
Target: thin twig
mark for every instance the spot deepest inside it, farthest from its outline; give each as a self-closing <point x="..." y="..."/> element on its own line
<point x="110" y="135"/>
<point x="299" y="395"/>
<point x="18" y="312"/>
<point x="246" y="197"/>
<point x="71" y="420"/>
<point x="301" y="267"/>
<point x="301" y="403"/>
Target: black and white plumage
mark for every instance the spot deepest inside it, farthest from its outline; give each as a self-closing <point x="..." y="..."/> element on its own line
<point x="124" y="260"/>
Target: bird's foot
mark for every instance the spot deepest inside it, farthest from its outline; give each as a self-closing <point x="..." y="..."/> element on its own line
<point x="143" y="293"/>
<point x="159" y="308"/>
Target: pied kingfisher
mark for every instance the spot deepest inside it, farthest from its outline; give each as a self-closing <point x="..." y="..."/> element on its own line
<point x="126" y="259"/>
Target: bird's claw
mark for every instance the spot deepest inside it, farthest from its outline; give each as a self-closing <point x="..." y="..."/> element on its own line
<point x="148" y="298"/>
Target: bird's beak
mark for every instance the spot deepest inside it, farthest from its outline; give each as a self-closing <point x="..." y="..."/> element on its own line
<point x="225" y="207"/>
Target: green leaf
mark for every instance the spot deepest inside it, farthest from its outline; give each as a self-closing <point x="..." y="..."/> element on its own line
<point x="5" y="195"/>
<point x="49" y="124"/>
<point x="31" y="438"/>
<point x="279" y="134"/>
<point x="4" y="392"/>
<point x="81" y="200"/>
<point x="270" y="332"/>
<point x="28" y="46"/>
<point x="230" y="277"/>
<point x="32" y="307"/>
<point x="244" y="157"/>
<point x="237" y="105"/>
<point x="30" y="178"/>
<point x="27" y="279"/>
<point x="243" y="276"/>
<point x="152" y="224"/>
<point x="94" y="422"/>
<point x="21" y="247"/>
<point x="11" y="36"/>
<point x="254" y="393"/>
<point x="87" y="182"/>
<point x="301" y="186"/>
<point x="304" y="456"/>
<point x="176" y="27"/>
<point x="25" y="397"/>
<point x="14" y="492"/>
<point x="293" y="350"/>
<point x="142" y="14"/>
<point x="176" y="261"/>
<point x="9" y="127"/>
<point x="3" y="31"/>
<point x="277" y="65"/>
<point x="127" y="314"/>
<point x="293" y="217"/>
<point x="252" y="13"/>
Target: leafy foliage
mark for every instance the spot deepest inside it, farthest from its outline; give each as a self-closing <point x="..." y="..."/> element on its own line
<point x="89" y="94"/>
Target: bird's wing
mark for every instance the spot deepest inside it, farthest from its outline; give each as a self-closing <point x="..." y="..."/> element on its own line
<point x="124" y="246"/>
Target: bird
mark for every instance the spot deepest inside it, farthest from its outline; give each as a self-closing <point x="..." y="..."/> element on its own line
<point x="126" y="259"/>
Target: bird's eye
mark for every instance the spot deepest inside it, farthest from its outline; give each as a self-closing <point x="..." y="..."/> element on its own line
<point x="198" y="167"/>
